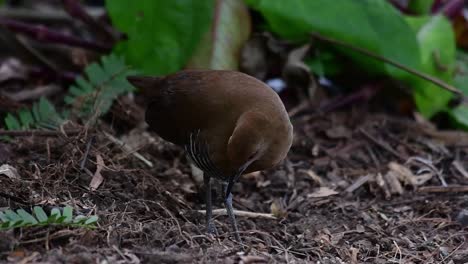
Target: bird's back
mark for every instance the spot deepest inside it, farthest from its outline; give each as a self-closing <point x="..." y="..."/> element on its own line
<point x="212" y="102"/>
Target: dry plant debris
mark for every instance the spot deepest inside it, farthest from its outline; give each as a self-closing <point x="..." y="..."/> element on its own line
<point x="346" y="199"/>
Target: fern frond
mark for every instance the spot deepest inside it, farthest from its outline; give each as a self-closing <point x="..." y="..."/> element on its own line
<point x="103" y="84"/>
<point x="21" y="218"/>
<point x="42" y="115"/>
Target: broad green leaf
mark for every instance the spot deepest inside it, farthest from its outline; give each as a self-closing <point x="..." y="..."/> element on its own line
<point x="68" y="214"/>
<point x="26" y="217"/>
<point x="377" y="26"/>
<point x="437" y="45"/>
<point x="374" y="25"/>
<point x="221" y="46"/>
<point x="40" y="214"/>
<point x="421" y="7"/>
<point x="460" y="113"/>
<point x="162" y="35"/>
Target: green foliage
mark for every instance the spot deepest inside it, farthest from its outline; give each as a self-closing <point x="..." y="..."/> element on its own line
<point x="221" y="46"/>
<point x="41" y="115"/>
<point x="377" y="26"/>
<point x="421" y="7"/>
<point x="21" y="218"/>
<point x="437" y="46"/>
<point x="90" y="97"/>
<point x="162" y="35"/>
<point x="460" y="113"/>
<point x="103" y="84"/>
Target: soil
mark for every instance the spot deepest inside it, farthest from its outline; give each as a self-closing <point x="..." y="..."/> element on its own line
<point x="355" y="188"/>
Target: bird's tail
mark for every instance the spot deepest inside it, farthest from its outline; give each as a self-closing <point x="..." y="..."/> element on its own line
<point x="147" y="85"/>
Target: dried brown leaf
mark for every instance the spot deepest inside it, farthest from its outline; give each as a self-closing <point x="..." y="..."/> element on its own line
<point x="97" y="179"/>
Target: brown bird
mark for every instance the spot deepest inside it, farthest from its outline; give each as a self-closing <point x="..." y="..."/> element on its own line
<point x="228" y="122"/>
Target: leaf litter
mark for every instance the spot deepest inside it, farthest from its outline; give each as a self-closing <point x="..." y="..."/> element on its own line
<point x="335" y="199"/>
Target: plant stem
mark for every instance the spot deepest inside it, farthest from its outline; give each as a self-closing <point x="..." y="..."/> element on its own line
<point x="42" y="33"/>
<point x="75" y="9"/>
<point x="371" y="54"/>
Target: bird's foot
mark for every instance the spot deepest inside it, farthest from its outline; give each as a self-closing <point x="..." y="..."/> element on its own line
<point x="211" y="228"/>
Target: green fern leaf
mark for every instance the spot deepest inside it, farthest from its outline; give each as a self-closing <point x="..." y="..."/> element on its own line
<point x="41" y="115"/>
<point x="104" y="82"/>
<point x="68" y="214"/>
<point x="12" y="122"/>
<point x="26" y="217"/>
<point x="40" y="214"/>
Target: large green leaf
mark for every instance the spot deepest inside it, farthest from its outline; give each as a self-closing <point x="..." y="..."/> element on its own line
<point x="371" y="24"/>
<point x="221" y="46"/>
<point x="162" y="34"/>
<point x="460" y="113"/>
<point x="437" y="45"/>
<point x="377" y="26"/>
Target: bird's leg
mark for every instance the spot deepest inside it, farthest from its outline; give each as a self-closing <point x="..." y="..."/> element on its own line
<point x="210" y="228"/>
<point x="231" y="216"/>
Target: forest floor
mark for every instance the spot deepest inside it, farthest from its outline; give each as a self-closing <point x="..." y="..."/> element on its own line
<point x="355" y="188"/>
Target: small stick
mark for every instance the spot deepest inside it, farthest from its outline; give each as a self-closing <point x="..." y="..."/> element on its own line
<point x="442" y="189"/>
<point x="128" y="149"/>
<point x="85" y="156"/>
<point x="42" y="33"/>
<point x="382" y="145"/>
<point x="75" y="9"/>
<point x="371" y="54"/>
<point x="242" y="213"/>
<point x="38" y="132"/>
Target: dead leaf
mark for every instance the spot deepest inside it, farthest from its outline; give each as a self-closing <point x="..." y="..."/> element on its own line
<point x="9" y="171"/>
<point x="277" y="209"/>
<point x="297" y="74"/>
<point x="338" y="132"/>
<point x="457" y="164"/>
<point x="405" y="175"/>
<point x="317" y="179"/>
<point x="391" y="179"/>
<point x="12" y="68"/>
<point x="97" y="178"/>
<point x="322" y="192"/>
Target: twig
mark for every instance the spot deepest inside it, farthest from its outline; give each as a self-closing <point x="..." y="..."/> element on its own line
<point x="371" y="54"/>
<point x="75" y="9"/>
<point x="85" y="156"/>
<point x="358" y="183"/>
<point x="442" y="189"/>
<point x="38" y="133"/>
<point x="128" y="149"/>
<point x="452" y="8"/>
<point x="44" y="16"/>
<point x="42" y="33"/>
<point x="382" y="145"/>
<point x="242" y="213"/>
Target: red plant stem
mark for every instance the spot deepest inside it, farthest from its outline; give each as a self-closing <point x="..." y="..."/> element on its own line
<point x="42" y="33"/>
<point x="76" y="10"/>
<point x="452" y="8"/>
<point x="47" y="74"/>
<point x="364" y="94"/>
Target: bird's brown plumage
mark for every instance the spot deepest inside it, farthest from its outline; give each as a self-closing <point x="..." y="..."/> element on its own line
<point x="237" y="115"/>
